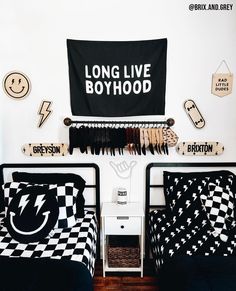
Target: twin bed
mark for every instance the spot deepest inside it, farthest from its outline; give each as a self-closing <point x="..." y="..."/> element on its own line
<point x="49" y="231"/>
<point x="192" y="229"/>
<point x="49" y="226"/>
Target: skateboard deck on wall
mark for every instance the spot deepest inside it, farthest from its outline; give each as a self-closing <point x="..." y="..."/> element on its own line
<point x="191" y="148"/>
<point x="45" y="149"/>
<point x="194" y="113"/>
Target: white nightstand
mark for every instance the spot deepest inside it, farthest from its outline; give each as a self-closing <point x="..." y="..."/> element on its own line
<point x="122" y="220"/>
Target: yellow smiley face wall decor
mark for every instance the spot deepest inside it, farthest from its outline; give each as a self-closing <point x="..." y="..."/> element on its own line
<point x="16" y="85"/>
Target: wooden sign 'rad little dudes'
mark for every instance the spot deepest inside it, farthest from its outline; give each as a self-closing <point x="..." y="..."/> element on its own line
<point x="222" y="83"/>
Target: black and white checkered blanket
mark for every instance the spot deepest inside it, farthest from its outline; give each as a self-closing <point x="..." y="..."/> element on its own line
<point x="169" y="239"/>
<point x="77" y="243"/>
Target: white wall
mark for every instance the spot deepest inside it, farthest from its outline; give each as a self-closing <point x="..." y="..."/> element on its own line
<point x="33" y="40"/>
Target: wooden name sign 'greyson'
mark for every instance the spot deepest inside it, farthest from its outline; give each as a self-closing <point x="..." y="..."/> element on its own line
<point x="45" y="149"/>
<point x="200" y="148"/>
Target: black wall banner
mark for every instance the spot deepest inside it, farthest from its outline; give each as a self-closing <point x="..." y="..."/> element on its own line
<point x="117" y="78"/>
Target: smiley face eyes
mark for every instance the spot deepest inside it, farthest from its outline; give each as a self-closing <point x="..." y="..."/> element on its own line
<point x="13" y="81"/>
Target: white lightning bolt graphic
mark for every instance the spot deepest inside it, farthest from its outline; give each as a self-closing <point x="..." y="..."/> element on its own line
<point x="44" y="112"/>
<point x="23" y="202"/>
<point x="39" y="202"/>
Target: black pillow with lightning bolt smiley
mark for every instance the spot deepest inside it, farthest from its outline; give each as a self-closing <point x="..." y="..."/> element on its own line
<point x="32" y="214"/>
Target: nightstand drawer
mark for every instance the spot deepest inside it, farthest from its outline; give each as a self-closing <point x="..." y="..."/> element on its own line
<point x="123" y="225"/>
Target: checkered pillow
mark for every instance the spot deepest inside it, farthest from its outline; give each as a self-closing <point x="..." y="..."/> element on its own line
<point x="182" y="194"/>
<point x="10" y="190"/>
<point x="66" y="195"/>
<point x="219" y="206"/>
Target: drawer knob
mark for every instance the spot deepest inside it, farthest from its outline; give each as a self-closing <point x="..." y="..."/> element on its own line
<point x="122" y="226"/>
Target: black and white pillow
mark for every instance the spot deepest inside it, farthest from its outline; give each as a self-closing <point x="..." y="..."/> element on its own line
<point x="10" y="189"/>
<point x="219" y="206"/>
<point x="32" y="214"/>
<point x="182" y="193"/>
<point x="55" y="178"/>
<point x="66" y="195"/>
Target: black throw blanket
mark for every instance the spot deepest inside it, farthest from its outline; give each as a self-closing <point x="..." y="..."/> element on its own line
<point x="23" y="274"/>
<point x="199" y="273"/>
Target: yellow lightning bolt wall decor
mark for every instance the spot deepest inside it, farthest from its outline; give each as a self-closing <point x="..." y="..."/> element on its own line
<point x="44" y="112"/>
